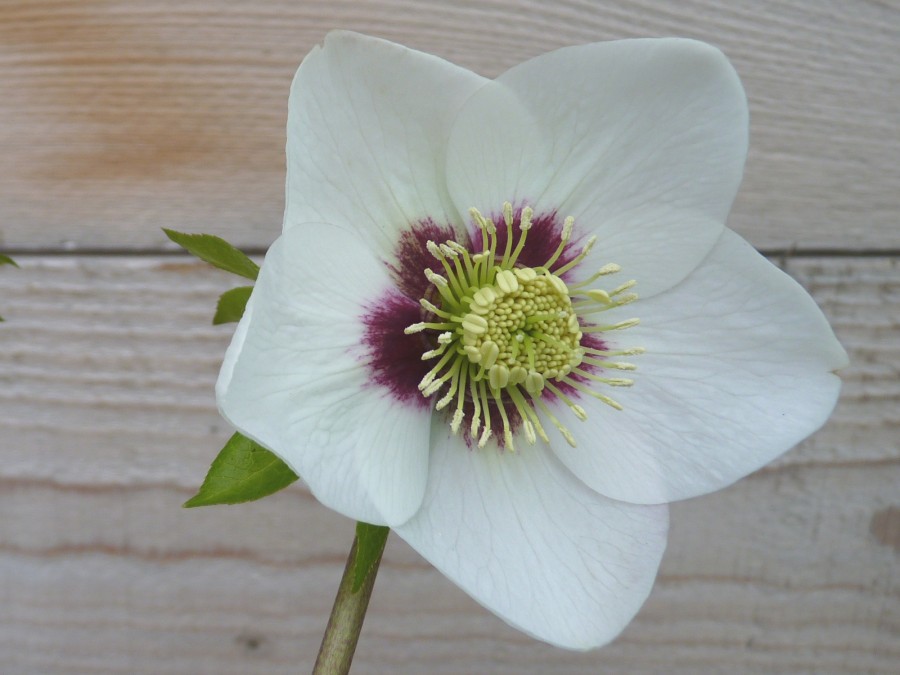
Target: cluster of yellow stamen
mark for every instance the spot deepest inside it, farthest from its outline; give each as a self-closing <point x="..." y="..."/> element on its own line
<point x="506" y="333"/>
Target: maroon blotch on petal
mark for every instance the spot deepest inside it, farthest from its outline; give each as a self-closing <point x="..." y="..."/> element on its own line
<point x="395" y="359"/>
<point x="411" y="257"/>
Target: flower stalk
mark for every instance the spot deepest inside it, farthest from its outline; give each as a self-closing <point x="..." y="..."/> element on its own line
<point x="348" y="613"/>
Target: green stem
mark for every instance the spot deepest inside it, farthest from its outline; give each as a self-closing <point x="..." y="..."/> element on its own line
<point x="347" y="615"/>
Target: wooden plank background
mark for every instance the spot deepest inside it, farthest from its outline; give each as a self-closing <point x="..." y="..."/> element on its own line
<point x="118" y="118"/>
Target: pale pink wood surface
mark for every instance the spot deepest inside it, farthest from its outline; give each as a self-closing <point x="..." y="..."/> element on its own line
<point x="109" y="423"/>
<point x="119" y="117"/>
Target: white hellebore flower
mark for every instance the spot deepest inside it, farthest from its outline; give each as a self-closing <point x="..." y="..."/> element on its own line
<point x="445" y="338"/>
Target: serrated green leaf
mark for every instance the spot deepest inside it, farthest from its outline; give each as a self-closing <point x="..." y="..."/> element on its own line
<point x="216" y="251"/>
<point x="232" y="305"/>
<point x="370" y="541"/>
<point x="242" y="472"/>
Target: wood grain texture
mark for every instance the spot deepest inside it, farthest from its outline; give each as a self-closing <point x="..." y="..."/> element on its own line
<point x="118" y="118"/>
<point x="109" y="423"/>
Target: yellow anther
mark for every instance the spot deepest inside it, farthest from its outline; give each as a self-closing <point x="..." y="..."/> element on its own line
<point x="415" y="328"/>
<point x="619" y="365"/>
<point x="517" y="375"/>
<point x="617" y="381"/>
<point x="489" y="352"/>
<point x="612" y="403"/>
<point x="508" y="438"/>
<point x="444" y="402"/>
<point x="434" y="249"/>
<point x="525" y="274"/>
<point x="431" y="307"/>
<point x="599" y="295"/>
<point x="474" y="324"/>
<point x="565" y="432"/>
<point x="622" y="325"/>
<point x="508" y="213"/>
<point x="588" y="246"/>
<point x="623" y="287"/>
<point x="433" y="353"/>
<point x="457" y="420"/>
<point x="479" y="219"/>
<point x="484" y="296"/>
<point x="558" y="285"/>
<point x="507" y="281"/>
<point x="432" y="388"/>
<point x="498" y="376"/>
<point x="435" y="278"/>
<point x="456" y="247"/>
<point x="577" y="259"/>
<point x="473" y="353"/>
<point x="525" y="219"/>
<point x="626" y="299"/>
<point x="534" y="382"/>
<point x="529" y="431"/>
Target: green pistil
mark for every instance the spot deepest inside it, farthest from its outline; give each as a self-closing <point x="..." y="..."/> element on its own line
<point x="504" y="328"/>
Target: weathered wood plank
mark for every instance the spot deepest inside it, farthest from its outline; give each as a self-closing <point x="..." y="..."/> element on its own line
<point x="108" y="418"/>
<point x="118" y="118"/>
<point x="772" y="576"/>
<point x="115" y="359"/>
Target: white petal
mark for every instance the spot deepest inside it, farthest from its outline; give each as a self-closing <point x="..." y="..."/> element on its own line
<point x="367" y="127"/>
<point x="530" y="542"/>
<point x="739" y="369"/>
<point x="295" y="379"/>
<point x="642" y="141"/>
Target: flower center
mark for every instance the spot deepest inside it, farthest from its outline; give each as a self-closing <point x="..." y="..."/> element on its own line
<point x="522" y="329"/>
<point x="507" y="336"/>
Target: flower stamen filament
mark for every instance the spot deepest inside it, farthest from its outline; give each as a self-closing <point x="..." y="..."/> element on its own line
<point x="503" y="326"/>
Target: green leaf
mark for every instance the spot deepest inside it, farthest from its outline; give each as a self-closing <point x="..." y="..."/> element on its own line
<point x="242" y="472"/>
<point x="216" y="251"/>
<point x="232" y="304"/>
<point x="370" y="541"/>
<point x="6" y="260"/>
